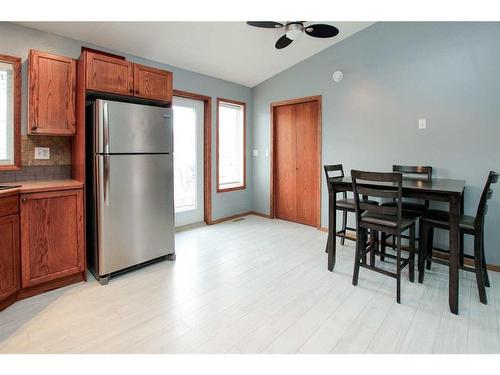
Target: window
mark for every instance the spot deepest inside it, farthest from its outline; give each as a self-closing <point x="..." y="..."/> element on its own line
<point x="231" y="174"/>
<point x="10" y="83"/>
<point x="6" y="114"/>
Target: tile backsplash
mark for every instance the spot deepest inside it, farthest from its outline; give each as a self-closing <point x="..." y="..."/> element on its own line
<point x="60" y="150"/>
<point x="30" y="173"/>
<point x="57" y="167"/>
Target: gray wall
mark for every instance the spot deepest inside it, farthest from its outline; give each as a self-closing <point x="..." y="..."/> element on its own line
<point x="17" y="40"/>
<point x="394" y="74"/>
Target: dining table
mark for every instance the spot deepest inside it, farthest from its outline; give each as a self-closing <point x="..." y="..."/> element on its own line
<point x="435" y="189"/>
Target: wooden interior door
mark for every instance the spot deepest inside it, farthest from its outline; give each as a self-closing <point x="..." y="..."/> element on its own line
<point x="52" y="240"/>
<point x="285" y="151"/>
<point x="52" y="94"/>
<point x="296" y="150"/>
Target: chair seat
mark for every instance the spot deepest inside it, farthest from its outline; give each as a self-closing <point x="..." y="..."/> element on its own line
<point x="411" y="207"/>
<point x="441" y="218"/>
<point x="387" y="220"/>
<point x="348" y="204"/>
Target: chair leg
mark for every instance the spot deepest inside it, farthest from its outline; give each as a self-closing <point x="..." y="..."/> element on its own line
<point x="422" y="250"/>
<point x="398" y="269"/>
<point x="461" y="248"/>
<point x="365" y="237"/>
<point x="360" y="244"/>
<point x="383" y="241"/>
<point x="374" y="248"/>
<point x="430" y="243"/>
<point x="483" y="258"/>
<point x="344" y="226"/>
<point x="478" y="267"/>
<point x="411" y="262"/>
<point x="327" y="243"/>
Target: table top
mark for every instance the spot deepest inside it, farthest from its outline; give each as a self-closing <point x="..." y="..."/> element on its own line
<point x="438" y="185"/>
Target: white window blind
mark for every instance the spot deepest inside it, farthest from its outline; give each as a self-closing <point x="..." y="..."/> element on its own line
<point x="231" y="145"/>
<point x="6" y="114"/>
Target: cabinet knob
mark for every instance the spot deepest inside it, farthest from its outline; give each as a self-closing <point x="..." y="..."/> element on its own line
<point x="24" y="200"/>
<point x="34" y="127"/>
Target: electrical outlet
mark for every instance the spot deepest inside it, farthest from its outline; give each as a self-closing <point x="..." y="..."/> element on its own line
<point x="42" y="153"/>
<point x="422" y="123"/>
<point x="255" y="152"/>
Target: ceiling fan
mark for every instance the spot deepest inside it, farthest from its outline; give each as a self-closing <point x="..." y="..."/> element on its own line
<point x="295" y="29"/>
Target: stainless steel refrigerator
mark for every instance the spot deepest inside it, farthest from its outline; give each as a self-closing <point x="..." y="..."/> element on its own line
<point x="130" y="187"/>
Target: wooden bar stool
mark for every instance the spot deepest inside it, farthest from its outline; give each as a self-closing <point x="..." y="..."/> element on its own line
<point x="384" y="219"/>
<point x="471" y="225"/>
<point x="417" y="172"/>
<point x="345" y="204"/>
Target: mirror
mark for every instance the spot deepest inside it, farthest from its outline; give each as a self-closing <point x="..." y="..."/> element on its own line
<point x="10" y="113"/>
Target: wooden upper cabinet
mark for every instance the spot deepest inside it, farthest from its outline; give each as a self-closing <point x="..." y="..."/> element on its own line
<point x="52" y="94"/>
<point x="52" y="236"/>
<point x="152" y="83"/>
<point x="10" y="271"/>
<point x="109" y="74"/>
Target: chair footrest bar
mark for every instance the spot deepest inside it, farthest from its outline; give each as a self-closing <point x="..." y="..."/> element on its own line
<point x="379" y="270"/>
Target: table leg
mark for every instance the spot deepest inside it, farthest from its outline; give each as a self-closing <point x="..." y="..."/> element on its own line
<point x="332" y="225"/>
<point x="454" y="252"/>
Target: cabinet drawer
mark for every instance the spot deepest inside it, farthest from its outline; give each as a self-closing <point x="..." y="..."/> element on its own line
<point x="9" y="205"/>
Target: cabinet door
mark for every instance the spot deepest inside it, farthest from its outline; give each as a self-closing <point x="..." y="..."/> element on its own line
<point x="109" y="74"/>
<point x="9" y="256"/>
<point x="152" y="83"/>
<point x="52" y="94"/>
<point x="52" y="237"/>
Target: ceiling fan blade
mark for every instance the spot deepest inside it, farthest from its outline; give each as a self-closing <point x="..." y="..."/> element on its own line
<point x="265" y="24"/>
<point x="283" y="42"/>
<point x="321" y="30"/>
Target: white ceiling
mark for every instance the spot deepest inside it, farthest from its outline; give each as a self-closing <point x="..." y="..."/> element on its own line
<point x="232" y="51"/>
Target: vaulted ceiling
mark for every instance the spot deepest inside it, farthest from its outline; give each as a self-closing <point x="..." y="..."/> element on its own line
<point x="232" y="51"/>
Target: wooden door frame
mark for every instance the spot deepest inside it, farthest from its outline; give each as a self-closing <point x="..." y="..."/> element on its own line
<point x="207" y="149"/>
<point x="307" y="99"/>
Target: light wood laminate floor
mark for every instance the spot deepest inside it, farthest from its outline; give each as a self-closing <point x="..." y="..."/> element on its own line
<point x="255" y="286"/>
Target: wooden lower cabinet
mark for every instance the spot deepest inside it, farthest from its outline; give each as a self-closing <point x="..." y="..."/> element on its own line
<point x="10" y="270"/>
<point x="52" y="236"/>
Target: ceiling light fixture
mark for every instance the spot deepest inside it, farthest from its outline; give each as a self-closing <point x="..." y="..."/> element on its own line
<point x="294" y="30"/>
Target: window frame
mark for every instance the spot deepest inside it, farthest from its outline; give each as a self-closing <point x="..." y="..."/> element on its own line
<point x="16" y="64"/>
<point x="244" y="186"/>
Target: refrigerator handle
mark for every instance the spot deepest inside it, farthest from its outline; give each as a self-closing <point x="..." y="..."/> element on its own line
<point x="106" y="179"/>
<point x="105" y="125"/>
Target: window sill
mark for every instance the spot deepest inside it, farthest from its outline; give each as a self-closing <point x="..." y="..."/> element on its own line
<point x="11" y="167"/>
<point x="224" y="190"/>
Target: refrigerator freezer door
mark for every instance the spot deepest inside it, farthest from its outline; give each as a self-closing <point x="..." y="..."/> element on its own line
<point x="125" y="128"/>
<point x="135" y="209"/>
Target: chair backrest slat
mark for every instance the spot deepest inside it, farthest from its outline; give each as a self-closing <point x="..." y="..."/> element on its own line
<point x="378" y="209"/>
<point x="377" y="185"/>
<point x="418" y="170"/>
<point x="381" y="192"/>
<point x="333" y="171"/>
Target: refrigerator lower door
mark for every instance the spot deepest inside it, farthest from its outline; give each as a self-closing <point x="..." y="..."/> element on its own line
<point x="135" y="209"/>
